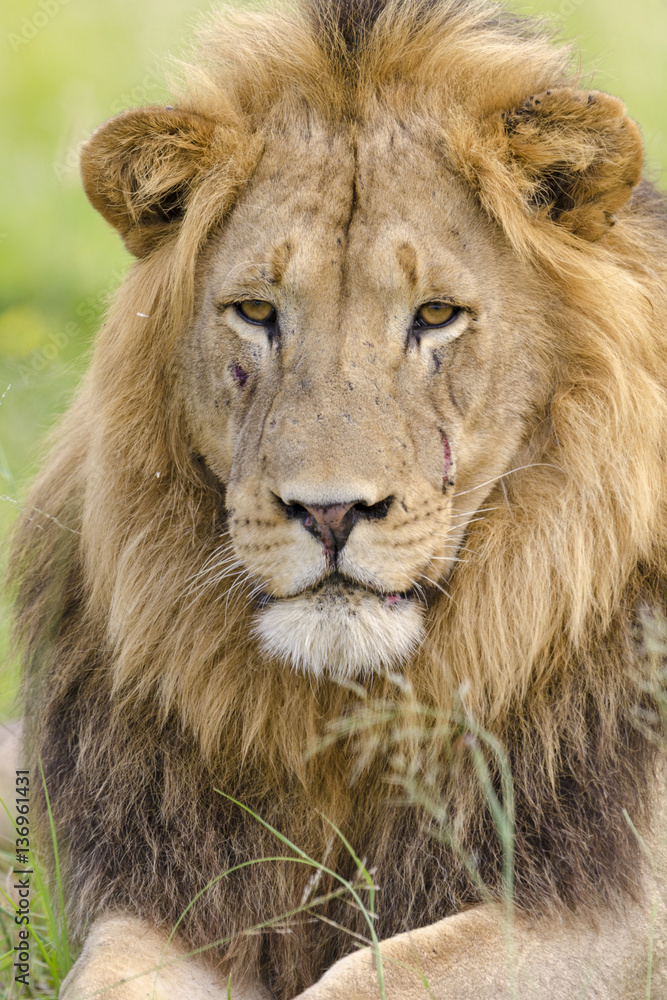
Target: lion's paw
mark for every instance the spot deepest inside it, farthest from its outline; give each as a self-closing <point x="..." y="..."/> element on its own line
<point x="125" y="958"/>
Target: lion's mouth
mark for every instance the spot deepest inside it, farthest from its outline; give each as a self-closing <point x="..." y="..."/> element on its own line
<point x="341" y="629"/>
<point x="338" y="583"/>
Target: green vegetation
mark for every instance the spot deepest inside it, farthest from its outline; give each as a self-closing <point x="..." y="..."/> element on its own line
<point x="47" y="943"/>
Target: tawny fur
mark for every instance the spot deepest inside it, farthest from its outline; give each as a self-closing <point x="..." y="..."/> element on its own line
<point x="144" y="701"/>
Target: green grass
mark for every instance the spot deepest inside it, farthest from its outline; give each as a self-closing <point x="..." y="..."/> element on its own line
<point x="47" y="946"/>
<point x="51" y="956"/>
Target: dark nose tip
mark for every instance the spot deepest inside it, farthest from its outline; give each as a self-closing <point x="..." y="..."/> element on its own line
<point x="332" y="523"/>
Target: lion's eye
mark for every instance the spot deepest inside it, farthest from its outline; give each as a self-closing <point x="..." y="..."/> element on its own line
<point x="433" y="314"/>
<point x="257" y="311"/>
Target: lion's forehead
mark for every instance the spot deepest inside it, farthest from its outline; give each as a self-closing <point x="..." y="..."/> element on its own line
<point x="304" y="178"/>
<point x="378" y="208"/>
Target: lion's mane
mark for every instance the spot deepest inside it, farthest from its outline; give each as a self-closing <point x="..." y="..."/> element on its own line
<point x="145" y="697"/>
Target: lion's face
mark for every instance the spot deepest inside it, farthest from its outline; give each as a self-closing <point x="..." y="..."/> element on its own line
<point x="363" y="367"/>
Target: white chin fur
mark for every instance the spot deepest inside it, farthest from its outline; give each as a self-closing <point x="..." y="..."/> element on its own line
<point x="340" y="634"/>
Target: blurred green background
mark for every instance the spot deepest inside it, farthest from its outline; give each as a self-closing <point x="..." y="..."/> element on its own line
<point x="67" y="65"/>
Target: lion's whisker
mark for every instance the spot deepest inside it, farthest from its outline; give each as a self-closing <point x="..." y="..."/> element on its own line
<point x="236" y="589"/>
<point x="519" y="468"/>
<point x="453" y="559"/>
<point x="210" y="566"/>
<point x="212" y="580"/>
<point x="210" y="583"/>
<point x="480" y="510"/>
<point x="437" y="586"/>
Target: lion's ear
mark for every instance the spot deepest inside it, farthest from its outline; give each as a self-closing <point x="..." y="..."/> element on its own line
<point x="579" y="153"/>
<point x="140" y="168"/>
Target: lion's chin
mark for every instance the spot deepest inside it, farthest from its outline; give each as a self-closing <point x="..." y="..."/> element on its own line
<point x="341" y="632"/>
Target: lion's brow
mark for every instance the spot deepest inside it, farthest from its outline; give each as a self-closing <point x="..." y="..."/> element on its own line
<point x="257" y="275"/>
<point x="407" y="260"/>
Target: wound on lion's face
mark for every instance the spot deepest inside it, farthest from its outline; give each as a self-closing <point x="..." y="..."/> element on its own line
<point x="240" y="374"/>
<point x="376" y="658"/>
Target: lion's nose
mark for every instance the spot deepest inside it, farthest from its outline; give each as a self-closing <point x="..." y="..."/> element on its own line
<point x="332" y="523"/>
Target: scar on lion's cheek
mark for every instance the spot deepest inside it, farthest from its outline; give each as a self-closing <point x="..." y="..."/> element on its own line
<point x="448" y="460"/>
<point x="240" y="374"/>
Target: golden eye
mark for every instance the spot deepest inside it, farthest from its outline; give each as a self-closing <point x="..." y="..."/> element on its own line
<point x="257" y="311"/>
<point x="436" y="314"/>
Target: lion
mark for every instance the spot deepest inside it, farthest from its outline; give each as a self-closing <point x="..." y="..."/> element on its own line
<point x="354" y="530"/>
